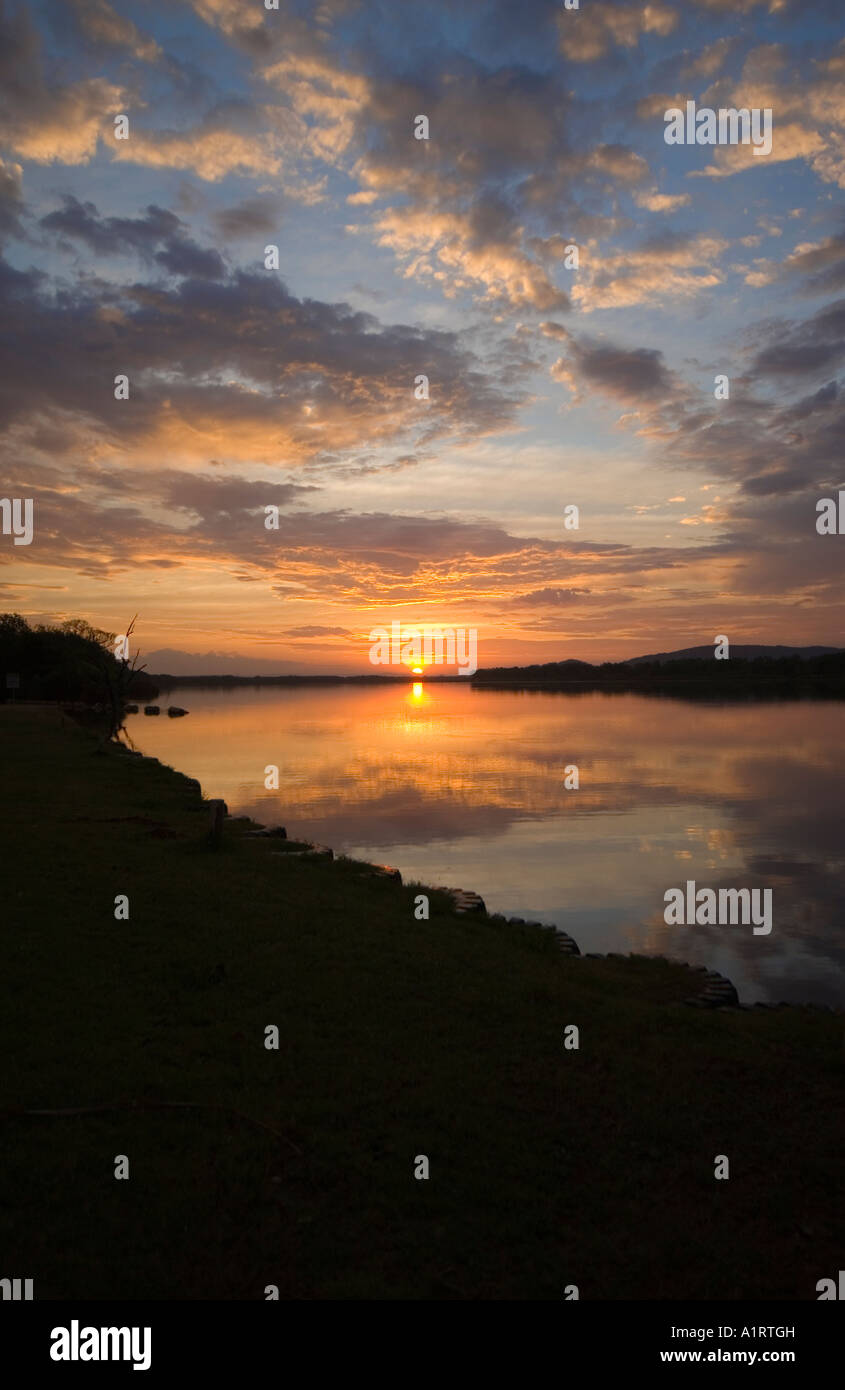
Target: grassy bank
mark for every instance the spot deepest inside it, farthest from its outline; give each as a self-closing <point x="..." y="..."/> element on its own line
<point x="397" y="1038"/>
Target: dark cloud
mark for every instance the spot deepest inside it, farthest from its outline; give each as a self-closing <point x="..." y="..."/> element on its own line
<point x="11" y="203"/>
<point x="815" y="345"/>
<point x="292" y="379"/>
<point x="774" y="482"/>
<point x="181" y="256"/>
<point x="112" y="235"/>
<point x="223" y="498"/>
<point x="823" y="266"/>
<point x="118" y="235"/>
<point x="809" y="405"/>
<point x="251" y="217"/>
<point x="630" y="374"/>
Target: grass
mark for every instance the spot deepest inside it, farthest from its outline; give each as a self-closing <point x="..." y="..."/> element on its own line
<point x="397" y="1038"/>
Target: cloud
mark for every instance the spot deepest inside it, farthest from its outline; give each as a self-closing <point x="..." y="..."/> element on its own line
<point x="113" y="523"/>
<point x="326" y="99"/>
<point x="548" y="598"/>
<point x="808" y="113"/>
<point x="244" y="24"/>
<point x="315" y="631"/>
<point x="589" y="33"/>
<point x="101" y="24"/>
<point x="661" y="202"/>
<point x="235" y="137"/>
<point x="820" y="267"/>
<point x="43" y="119"/>
<point x="498" y="138"/>
<point x="251" y="217"/>
<point x="743" y="6"/>
<point x="622" y="164"/>
<point x="817" y="344"/>
<point x="708" y="61"/>
<point x="239" y="385"/>
<point x="448" y="249"/>
<point x="627" y="374"/>
<point x="159" y="236"/>
<point x="11" y="201"/>
<point x="235" y="367"/>
<point x="669" y="265"/>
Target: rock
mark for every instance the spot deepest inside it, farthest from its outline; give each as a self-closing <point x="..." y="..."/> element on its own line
<point x="463" y="898"/>
<point x="467" y="901"/>
<point x="383" y="871"/>
<point x="151" y="709"/>
<point x="275" y="832"/>
<point x="308" y="852"/>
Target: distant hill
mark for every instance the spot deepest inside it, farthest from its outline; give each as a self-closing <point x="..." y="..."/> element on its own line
<point x="738" y="653"/>
<point x="691" y="664"/>
<point x="750" y="672"/>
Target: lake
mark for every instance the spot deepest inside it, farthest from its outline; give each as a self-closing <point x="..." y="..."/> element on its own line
<point x="468" y="788"/>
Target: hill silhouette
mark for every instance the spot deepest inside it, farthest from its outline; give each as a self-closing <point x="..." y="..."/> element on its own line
<point x="738" y="652"/>
<point x="772" y="672"/>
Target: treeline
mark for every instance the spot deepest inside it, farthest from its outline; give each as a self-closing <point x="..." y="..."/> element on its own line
<point x="698" y="678"/>
<point x="72" y="662"/>
<point x="166" y="682"/>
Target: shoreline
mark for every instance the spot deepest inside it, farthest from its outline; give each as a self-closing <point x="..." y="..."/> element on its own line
<point x="718" y="991"/>
<point x="558" y="1098"/>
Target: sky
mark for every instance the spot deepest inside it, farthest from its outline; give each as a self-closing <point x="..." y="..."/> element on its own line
<point x="137" y="248"/>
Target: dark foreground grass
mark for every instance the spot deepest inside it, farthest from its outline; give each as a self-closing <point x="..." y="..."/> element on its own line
<point x="397" y="1038"/>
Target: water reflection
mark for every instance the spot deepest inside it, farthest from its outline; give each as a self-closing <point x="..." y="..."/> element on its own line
<point x="468" y="787"/>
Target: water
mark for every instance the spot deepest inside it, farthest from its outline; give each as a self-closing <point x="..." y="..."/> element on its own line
<point x="467" y="788"/>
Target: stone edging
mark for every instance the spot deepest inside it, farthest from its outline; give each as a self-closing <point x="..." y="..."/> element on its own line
<point x="718" y="991"/>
